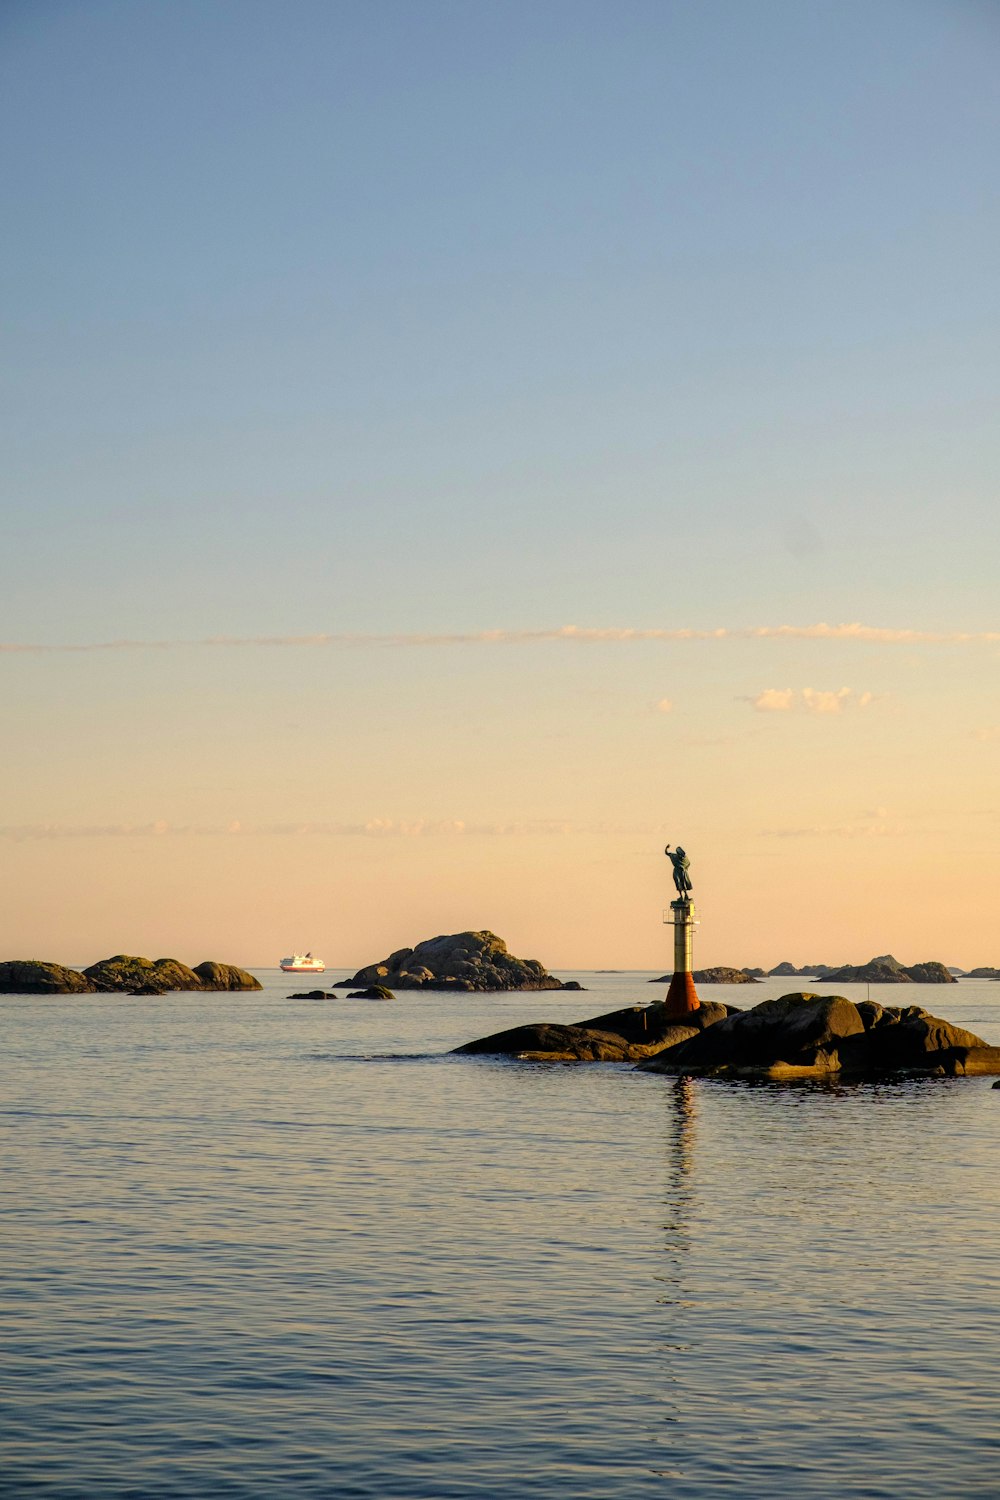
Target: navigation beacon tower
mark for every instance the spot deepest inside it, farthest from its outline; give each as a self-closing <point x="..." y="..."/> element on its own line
<point x="681" y="997"/>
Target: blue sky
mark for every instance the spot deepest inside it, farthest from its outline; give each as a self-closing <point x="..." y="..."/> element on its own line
<point x="449" y="317"/>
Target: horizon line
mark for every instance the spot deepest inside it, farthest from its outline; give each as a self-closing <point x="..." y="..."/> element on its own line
<point x="564" y="634"/>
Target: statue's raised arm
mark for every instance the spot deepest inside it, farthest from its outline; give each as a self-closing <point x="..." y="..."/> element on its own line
<point x="681" y="864"/>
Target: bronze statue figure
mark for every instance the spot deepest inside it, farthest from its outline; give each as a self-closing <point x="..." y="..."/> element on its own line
<point x="681" y="864"/>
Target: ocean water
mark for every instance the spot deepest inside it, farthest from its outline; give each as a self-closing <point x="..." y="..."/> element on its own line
<point x="252" y="1246"/>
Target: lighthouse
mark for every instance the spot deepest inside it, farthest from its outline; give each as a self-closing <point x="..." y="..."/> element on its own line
<point x="681" y="997"/>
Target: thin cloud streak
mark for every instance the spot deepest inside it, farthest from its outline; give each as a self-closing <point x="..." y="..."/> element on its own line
<point x="565" y="634"/>
<point x="373" y="828"/>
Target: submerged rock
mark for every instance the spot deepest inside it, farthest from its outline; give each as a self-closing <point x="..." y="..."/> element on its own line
<point x="373" y="992"/>
<point x="460" y="961"/>
<point x="619" y="1036"/>
<point x="32" y="976"/>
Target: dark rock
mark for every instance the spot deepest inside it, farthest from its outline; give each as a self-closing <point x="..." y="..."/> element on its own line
<point x="462" y="961"/>
<point x="722" y="975"/>
<point x="805" y="1035"/>
<point x="125" y="972"/>
<point x="373" y="992"/>
<point x="888" y="970"/>
<point x="719" y="975"/>
<point x="620" y="1036"/>
<point x="312" y="995"/>
<point x="573" y="984"/>
<point x="32" y="976"/>
<point x="808" y="971"/>
<point x="215" y="976"/>
<point x="986" y="973"/>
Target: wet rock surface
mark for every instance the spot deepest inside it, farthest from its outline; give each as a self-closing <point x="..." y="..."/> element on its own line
<point x="459" y="961"/>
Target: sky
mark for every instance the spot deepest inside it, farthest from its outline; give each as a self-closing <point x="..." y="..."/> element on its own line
<point x="451" y="450"/>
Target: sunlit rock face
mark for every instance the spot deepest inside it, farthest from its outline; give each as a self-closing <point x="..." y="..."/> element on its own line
<point x="459" y="961"/>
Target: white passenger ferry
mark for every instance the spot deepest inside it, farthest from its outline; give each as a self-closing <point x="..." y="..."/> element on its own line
<point x="302" y="963"/>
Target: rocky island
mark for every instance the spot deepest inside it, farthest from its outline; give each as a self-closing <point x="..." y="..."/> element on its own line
<point x="123" y="973"/>
<point x="888" y="970"/>
<point x="719" y="975"/>
<point x="461" y="961"/>
<point x="797" y="1036"/>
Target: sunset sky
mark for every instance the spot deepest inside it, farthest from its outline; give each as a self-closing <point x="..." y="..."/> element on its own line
<point x="451" y="449"/>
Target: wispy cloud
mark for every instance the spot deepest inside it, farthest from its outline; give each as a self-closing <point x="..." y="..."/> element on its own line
<point x="812" y="700"/>
<point x="877" y="827"/>
<point x="566" y="634"/>
<point x="372" y="828"/>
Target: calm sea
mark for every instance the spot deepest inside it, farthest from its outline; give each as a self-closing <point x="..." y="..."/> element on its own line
<point x="261" y="1247"/>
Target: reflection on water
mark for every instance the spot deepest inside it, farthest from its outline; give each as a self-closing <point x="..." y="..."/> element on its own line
<point x="680" y="1105"/>
<point x="248" y="1252"/>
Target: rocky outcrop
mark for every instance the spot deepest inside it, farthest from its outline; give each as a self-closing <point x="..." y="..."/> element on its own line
<point x="888" y="970"/>
<point x="461" y="961"/>
<point x="152" y="975"/>
<point x="32" y="976"/>
<point x="985" y="973"/>
<point x="718" y="975"/>
<point x="808" y="971"/>
<point x="722" y="975"/>
<point x="619" y="1036"/>
<point x="807" y="1036"/>
<point x="215" y="976"/>
<point x="124" y="974"/>
<point x="373" y="992"/>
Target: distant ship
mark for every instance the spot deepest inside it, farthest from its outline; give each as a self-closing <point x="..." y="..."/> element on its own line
<point x="302" y="963"/>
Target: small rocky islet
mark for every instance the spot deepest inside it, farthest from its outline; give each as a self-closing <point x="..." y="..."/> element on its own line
<point x="882" y="970"/>
<point x="124" y="973"/>
<point x="469" y="961"/>
<point x="796" y="1036"/>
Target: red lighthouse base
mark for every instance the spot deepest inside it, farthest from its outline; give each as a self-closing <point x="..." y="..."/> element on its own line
<point x="682" y="997"/>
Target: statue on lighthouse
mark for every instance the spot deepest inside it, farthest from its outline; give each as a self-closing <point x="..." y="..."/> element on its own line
<point x="681" y="997"/>
<point x="681" y="864"/>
